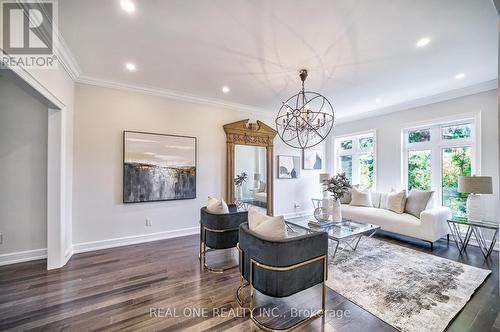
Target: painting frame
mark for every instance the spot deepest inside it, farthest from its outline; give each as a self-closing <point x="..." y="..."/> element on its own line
<point x="124" y="175"/>
<point x="307" y="154"/>
<point x="294" y="160"/>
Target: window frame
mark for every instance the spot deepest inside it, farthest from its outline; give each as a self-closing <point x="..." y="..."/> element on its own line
<point x="356" y="152"/>
<point x="437" y="144"/>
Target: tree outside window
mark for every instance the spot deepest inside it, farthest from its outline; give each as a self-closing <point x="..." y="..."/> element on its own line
<point x="354" y="156"/>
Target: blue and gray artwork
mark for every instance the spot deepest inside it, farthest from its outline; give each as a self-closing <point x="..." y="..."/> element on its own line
<point x="158" y="167"/>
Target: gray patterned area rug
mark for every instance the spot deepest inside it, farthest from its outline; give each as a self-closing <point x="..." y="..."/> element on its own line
<point x="408" y="289"/>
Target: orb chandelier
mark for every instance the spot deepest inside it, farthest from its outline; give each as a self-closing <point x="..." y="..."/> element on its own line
<point x="305" y="119"/>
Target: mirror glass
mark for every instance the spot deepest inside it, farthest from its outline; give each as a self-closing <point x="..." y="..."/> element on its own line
<point x="250" y="177"/>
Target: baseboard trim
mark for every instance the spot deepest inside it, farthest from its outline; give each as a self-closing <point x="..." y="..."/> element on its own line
<point x="68" y="254"/>
<point x="128" y="240"/>
<point x="23" y="256"/>
<point x="296" y="214"/>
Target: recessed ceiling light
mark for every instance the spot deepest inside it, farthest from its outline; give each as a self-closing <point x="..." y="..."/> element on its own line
<point x="378" y="100"/>
<point x="128" y="6"/>
<point x="459" y="76"/>
<point x="225" y="89"/>
<point x="423" y="41"/>
<point x="130" y="66"/>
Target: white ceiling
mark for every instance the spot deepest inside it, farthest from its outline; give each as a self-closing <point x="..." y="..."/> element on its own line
<point x="355" y="51"/>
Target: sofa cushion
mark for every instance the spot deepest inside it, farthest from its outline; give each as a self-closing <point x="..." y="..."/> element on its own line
<point x="383" y="200"/>
<point x="396" y="201"/>
<point x="361" y="197"/>
<point x="270" y="227"/>
<point x="417" y="201"/>
<point x="375" y="198"/>
<point x="403" y="223"/>
<point x="217" y="206"/>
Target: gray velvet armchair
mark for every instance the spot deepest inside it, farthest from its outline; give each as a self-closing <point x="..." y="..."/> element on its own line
<point x="280" y="268"/>
<point x="219" y="231"/>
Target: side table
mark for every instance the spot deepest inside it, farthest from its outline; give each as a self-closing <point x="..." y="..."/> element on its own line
<point x="473" y="227"/>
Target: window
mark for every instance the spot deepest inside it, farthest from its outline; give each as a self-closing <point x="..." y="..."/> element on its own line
<point x="354" y="156"/>
<point x="417" y="136"/>
<point x="419" y="170"/>
<point x="456" y="162"/>
<point x="435" y="156"/>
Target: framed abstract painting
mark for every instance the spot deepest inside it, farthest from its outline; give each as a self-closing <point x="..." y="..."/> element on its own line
<point x="312" y="159"/>
<point x="288" y="167"/>
<point x="158" y="167"/>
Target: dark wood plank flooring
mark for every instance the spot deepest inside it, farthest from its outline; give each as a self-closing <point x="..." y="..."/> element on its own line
<point x="115" y="289"/>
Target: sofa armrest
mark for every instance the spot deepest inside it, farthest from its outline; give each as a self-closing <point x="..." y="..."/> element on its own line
<point x="436" y="220"/>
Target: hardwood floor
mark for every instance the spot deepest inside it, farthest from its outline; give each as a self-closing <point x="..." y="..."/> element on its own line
<point x="123" y="289"/>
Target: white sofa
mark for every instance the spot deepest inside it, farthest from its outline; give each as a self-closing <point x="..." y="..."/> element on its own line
<point x="431" y="226"/>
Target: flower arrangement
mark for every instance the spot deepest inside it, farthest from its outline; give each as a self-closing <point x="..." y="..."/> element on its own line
<point x="240" y="179"/>
<point x="338" y="186"/>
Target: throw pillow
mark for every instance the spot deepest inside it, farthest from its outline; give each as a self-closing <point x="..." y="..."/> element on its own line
<point x="346" y="199"/>
<point x="376" y="198"/>
<point x="361" y="197"/>
<point x="217" y="206"/>
<point x="417" y="201"/>
<point x="383" y="200"/>
<point x="270" y="227"/>
<point x="396" y="201"/>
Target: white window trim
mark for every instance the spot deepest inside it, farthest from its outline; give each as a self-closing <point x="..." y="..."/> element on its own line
<point x="336" y="152"/>
<point x="436" y="147"/>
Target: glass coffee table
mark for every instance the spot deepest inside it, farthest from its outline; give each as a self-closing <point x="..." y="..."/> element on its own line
<point x="347" y="232"/>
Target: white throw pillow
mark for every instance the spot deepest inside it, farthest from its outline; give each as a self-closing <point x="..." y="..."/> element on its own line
<point x="383" y="200"/>
<point x="216" y="206"/>
<point x="270" y="227"/>
<point x="376" y="198"/>
<point x="396" y="201"/>
<point x="361" y="197"/>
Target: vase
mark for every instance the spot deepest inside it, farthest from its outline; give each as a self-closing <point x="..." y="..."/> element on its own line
<point x="239" y="192"/>
<point x="336" y="211"/>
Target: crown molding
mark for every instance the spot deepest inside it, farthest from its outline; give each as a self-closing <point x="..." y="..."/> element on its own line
<point x="66" y="58"/>
<point x="158" y="92"/>
<point x="444" y="96"/>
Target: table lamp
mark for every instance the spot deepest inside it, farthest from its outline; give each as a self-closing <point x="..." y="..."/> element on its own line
<point x="475" y="186"/>
<point x="323" y="179"/>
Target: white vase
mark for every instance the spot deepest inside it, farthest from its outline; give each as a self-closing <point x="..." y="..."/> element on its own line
<point x="239" y="192"/>
<point x="336" y="211"/>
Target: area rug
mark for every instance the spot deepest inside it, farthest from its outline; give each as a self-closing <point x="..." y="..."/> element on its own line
<point x="408" y="289"/>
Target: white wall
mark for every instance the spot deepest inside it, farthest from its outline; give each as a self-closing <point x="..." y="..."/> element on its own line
<point x="389" y="128"/>
<point x="101" y="115"/>
<point x="23" y="175"/>
<point x="57" y="87"/>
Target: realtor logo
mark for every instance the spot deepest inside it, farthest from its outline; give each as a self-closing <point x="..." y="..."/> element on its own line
<point x="27" y="34"/>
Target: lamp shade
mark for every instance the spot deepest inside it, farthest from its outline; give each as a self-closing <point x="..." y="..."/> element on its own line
<point x="475" y="184"/>
<point x="324" y="177"/>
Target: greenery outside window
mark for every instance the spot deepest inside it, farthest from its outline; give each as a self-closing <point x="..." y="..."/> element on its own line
<point x="436" y="156"/>
<point x="355" y="156"/>
<point x="419" y="135"/>
<point x="419" y="170"/>
<point x="346" y="145"/>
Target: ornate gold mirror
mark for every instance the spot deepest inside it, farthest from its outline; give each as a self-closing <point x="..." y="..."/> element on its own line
<point x="249" y="165"/>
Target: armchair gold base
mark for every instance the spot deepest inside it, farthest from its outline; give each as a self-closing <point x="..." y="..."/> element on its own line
<point x="204" y="250"/>
<point x="241" y="301"/>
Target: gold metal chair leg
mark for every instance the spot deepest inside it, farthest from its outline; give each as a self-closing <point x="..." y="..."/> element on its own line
<point x="240" y="293"/>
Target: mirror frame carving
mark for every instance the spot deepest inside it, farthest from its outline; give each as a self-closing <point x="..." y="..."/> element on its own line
<point x="257" y="134"/>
